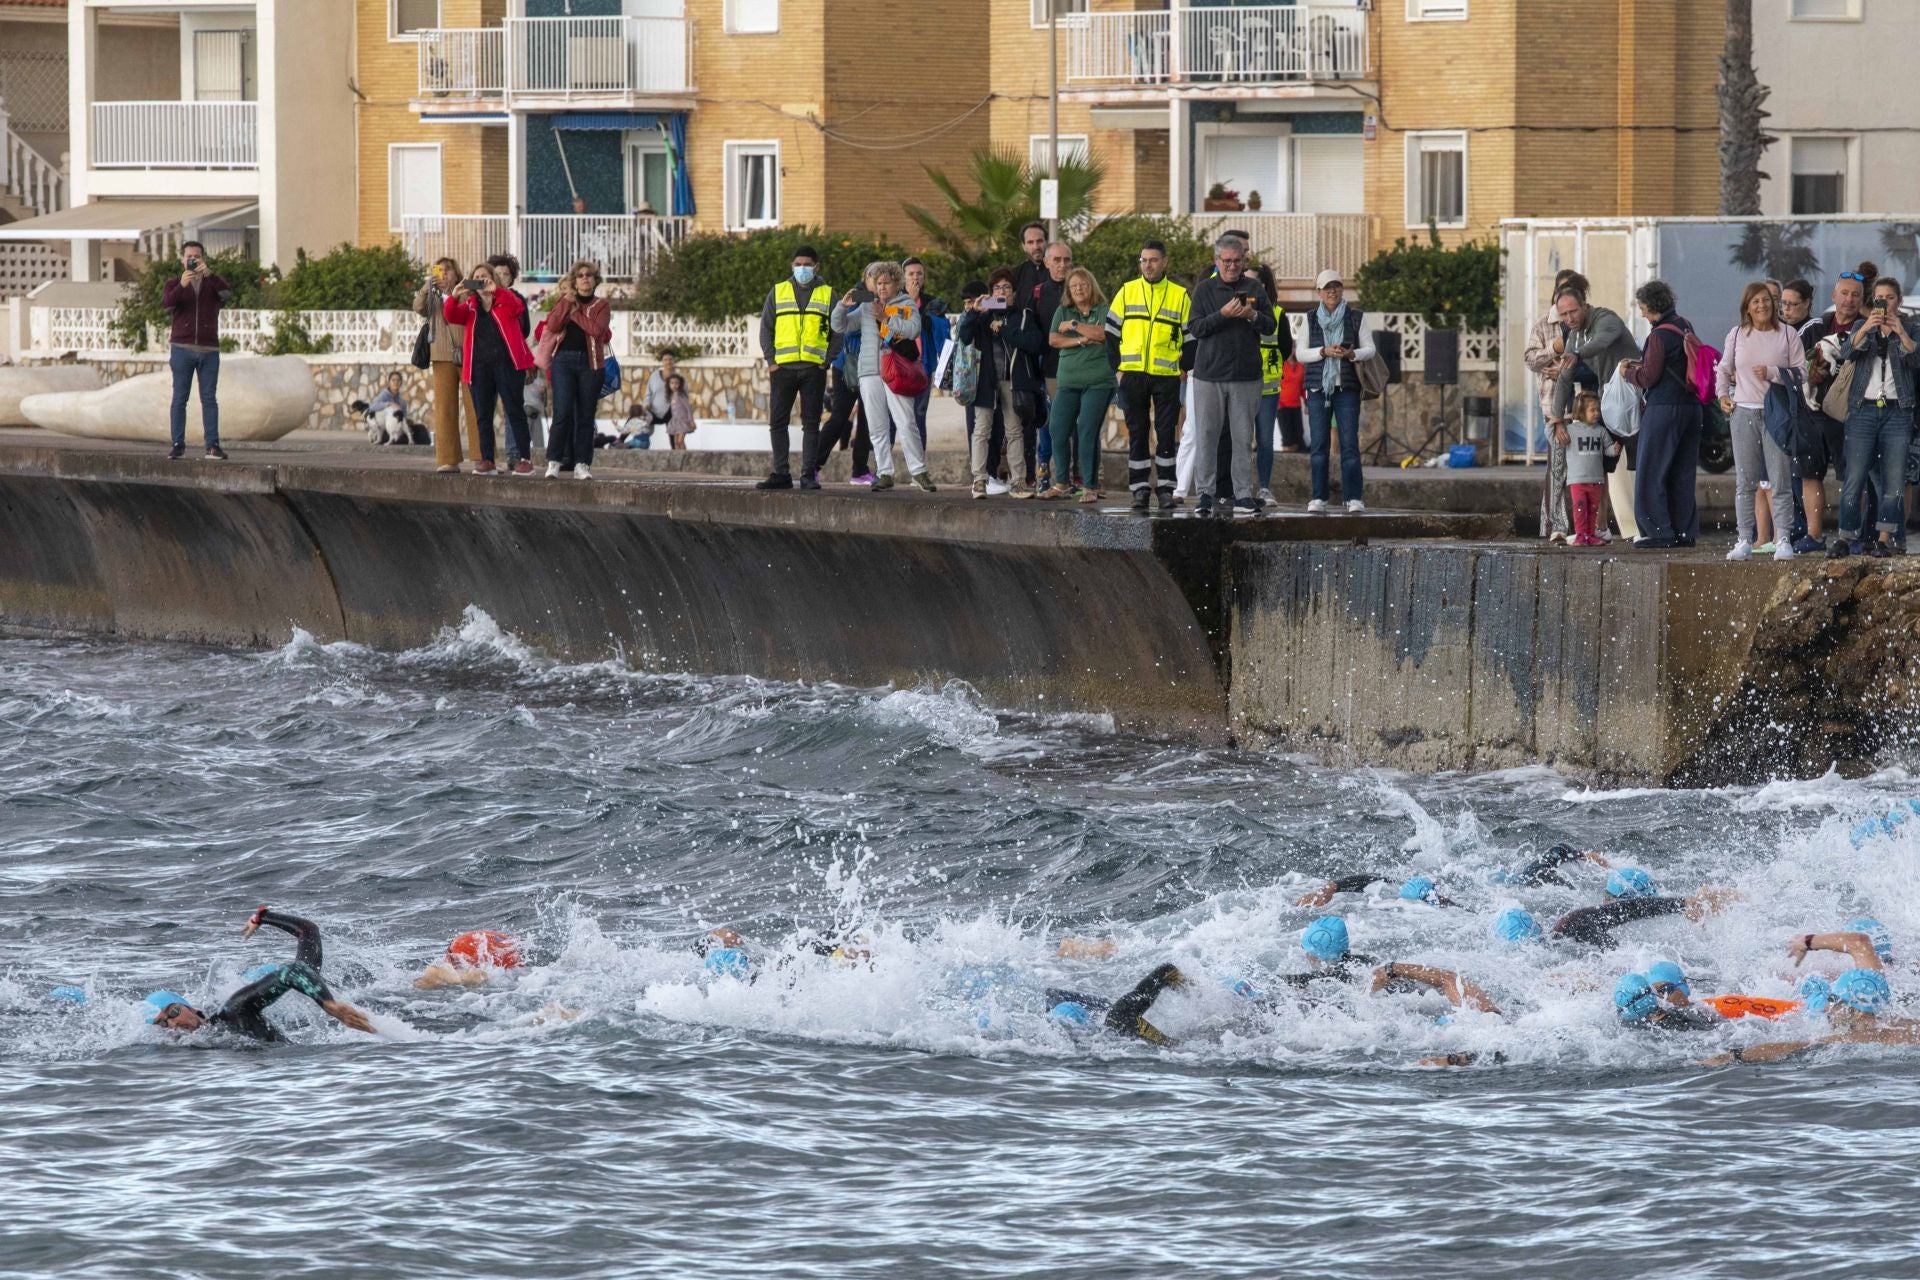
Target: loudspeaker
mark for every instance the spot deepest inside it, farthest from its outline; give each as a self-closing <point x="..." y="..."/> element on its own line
<point x="1443" y="357"/>
<point x="1387" y="343"/>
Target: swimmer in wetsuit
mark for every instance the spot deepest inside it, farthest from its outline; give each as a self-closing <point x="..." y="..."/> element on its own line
<point x="1632" y="896"/>
<point x="245" y="1010"/>
<point x="1547" y="868"/>
<point x="1852" y="1002"/>
<point x="1418" y="889"/>
<point x="1126" y="1016"/>
<point x="1639" y="1006"/>
<point x="1329" y="955"/>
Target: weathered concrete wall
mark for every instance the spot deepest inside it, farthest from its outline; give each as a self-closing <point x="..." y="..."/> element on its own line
<point x="1461" y="657"/>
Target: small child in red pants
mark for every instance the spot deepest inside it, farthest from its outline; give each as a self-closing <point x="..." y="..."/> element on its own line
<point x="1587" y="452"/>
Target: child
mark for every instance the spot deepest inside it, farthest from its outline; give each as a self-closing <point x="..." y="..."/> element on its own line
<point x="1588" y="447"/>
<point x="680" y="423"/>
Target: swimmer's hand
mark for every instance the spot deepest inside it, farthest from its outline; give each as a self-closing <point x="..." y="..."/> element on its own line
<point x="253" y="924"/>
<point x="445" y="975"/>
<point x="1319" y="897"/>
<point x="1711" y="901"/>
<point x="1086" y="948"/>
<point x="1597" y="860"/>
<point x="1449" y="1060"/>
<point x="347" y="1015"/>
<point x="554" y="1009"/>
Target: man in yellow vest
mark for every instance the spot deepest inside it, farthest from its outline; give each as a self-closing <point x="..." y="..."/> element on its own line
<point x="1276" y="349"/>
<point x="1148" y="318"/>
<point x="794" y="339"/>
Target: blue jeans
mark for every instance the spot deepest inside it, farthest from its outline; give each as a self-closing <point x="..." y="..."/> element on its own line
<point x="1263" y="438"/>
<point x="1876" y="447"/>
<point x="1043" y="439"/>
<point x="1321" y="418"/>
<point x="184" y="364"/>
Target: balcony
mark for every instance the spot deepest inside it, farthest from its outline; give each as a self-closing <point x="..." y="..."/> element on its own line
<point x="1298" y="246"/>
<point x="557" y="60"/>
<point x="1249" y="48"/>
<point x="625" y="248"/>
<point x="176" y="135"/>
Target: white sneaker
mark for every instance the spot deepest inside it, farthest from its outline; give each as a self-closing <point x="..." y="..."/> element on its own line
<point x="1266" y="495"/>
<point x="997" y="487"/>
<point x="1783" y="551"/>
<point x="1317" y="507"/>
<point x="1742" y="550"/>
<point x="580" y="472"/>
<point x="553" y="471"/>
<point x="1355" y="506"/>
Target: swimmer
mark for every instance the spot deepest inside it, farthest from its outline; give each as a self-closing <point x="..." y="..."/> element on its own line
<point x="245" y="1010"/>
<point x="1632" y="895"/>
<point x="1330" y="957"/>
<point x="1546" y="869"/>
<point x="723" y="953"/>
<point x="1852" y="1003"/>
<point x="1639" y="1007"/>
<point x="1125" y="1016"/>
<point x="470" y="959"/>
<point x="1516" y="927"/>
<point x="1418" y="889"/>
<point x="1459" y="992"/>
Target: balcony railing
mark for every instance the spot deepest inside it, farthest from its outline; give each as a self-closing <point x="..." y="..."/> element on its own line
<point x="463" y="63"/>
<point x="1298" y="246"/>
<point x="558" y="58"/>
<point x="176" y="135"/>
<point x="624" y="248"/>
<point x="1272" y="44"/>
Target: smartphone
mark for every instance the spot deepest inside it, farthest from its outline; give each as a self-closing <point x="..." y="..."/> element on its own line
<point x="993" y="304"/>
<point x="862" y="295"/>
<point x="1879" y="305"/>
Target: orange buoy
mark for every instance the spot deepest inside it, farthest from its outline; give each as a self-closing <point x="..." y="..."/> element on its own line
<point x="1758" y="1006"/>
<point x="483" y="949"/>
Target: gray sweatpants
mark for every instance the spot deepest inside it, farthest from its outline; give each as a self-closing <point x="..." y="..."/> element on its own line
<point x="1755" y="458"/>
<point x="1234" y="406"/>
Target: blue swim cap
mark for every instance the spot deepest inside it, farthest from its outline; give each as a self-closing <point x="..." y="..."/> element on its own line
<point x="1325" y="938"/>
<point x="977" y="982"/>
<point x="1816" y="991"/>
<point x="728" y="962"/>
<point x="1631" y="882"/>
<point x="1239" y="986"/>
<point x="1881" y="935"/>
<point x="66" y="994"/>
<point x="258" y="972"/>
<point x="1667" y="973"/>
<point x="1516" y="925"/>
<point x="1867" y="829"/>
<point x="1633" y="997"/>
<point x="1864" y="989"/>
<point x="1420" y="889"/>
<point x="159" y="1000"/>
<point x="1072" y="1013"/>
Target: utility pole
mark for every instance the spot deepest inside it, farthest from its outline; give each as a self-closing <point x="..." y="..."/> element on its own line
<point x="1053" y="109"/>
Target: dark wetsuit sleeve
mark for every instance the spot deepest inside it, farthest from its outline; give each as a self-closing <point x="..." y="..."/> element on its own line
<point x="245" y="1010"/>
<point x="1128" y="1016"/>
<point x="306" y="936"/>
<point x="1060" y="995"/>
<point x="1545" y="868"/>
<point x="1356" y="884"/>
<point x="1595" y="925"/>
<point x="1686" y="1020"/>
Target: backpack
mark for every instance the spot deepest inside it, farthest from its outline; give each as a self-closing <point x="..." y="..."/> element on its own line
<point x="1697" y="368"/>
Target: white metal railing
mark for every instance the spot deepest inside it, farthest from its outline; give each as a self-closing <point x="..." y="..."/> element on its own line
<point x="649" y="331"/>
<point x="469" y="63"/>
<point x="466" y="238"/>
<point x="1255" y="45"/>
<point x="625" y="248"/>
<point x="583" y="57"/>
<point x="176" y="135"/>
<point x="27" y="175"/>
<point x="1298" y="246"/>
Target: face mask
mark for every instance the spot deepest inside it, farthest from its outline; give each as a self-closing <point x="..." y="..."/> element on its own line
<point x="803" y="275"/>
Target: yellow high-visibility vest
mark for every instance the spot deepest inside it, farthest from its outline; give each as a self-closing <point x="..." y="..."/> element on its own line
<point x="1153" y="319"/>
<point x="800" y="333"/>
<point x="1272" y="366"/>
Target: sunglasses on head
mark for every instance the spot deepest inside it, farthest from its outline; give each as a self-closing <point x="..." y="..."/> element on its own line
<point x="1853" y="275"/>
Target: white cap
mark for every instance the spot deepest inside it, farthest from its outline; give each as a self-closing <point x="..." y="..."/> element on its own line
<point x="1327" y="277"/>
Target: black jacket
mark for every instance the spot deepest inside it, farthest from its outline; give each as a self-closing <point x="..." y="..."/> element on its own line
<point x="1038" y="360"/>
<point x="1227" y="350"/>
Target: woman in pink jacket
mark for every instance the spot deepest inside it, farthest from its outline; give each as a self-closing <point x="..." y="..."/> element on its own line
<point x="493" y="364"/>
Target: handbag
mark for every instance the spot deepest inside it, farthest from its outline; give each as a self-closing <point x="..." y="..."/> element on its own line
<point x="1372" y="373"/>
<point x="546" y="342"/>
<point x="903" y="375"/>
<point x="1620" y="405"/>
<point x="423" y="346"/>
<point x="1833" y="402"/>
<point x="609" y="375"/>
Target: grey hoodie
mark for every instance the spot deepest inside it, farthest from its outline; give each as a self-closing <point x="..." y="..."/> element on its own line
<point x="859" y="316"/>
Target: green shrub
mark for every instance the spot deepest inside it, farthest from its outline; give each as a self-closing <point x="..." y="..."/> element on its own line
<point x="1111" y="248"/>
<point x="718" y="277"/>
<point x="1453" y="288"/>
<point x="290" y="337"/>
<point x="140" y="307"/>
<point x="351" y="279"/>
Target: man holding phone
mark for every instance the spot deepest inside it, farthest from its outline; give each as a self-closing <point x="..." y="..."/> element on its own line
<point x="1227" y="321"/>
<point x="194" y="300"/>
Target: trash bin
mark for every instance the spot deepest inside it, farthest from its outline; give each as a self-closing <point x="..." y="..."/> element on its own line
<point x="1479" y="415"/>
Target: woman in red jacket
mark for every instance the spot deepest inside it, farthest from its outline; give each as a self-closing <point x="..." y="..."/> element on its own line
<point x="493" y="363"/>
<point x="576" y="330"/>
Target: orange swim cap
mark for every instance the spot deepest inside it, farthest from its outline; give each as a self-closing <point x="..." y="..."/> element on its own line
<point x="483" y="949"/>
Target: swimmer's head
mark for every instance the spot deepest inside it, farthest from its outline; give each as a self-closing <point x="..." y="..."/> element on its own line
<point x="1562" y="852"/>
<point x="1881" y="936"/>
<point x="1325" y="939"/>
<point x="1071" y="1013"/>
<point x="1860" y="990"/>
<point x="1816" y="992"/>
<point x="723" y="936"/>
<point x="1420" y="889"/>
<point x="170" y="1009"/>
<point x="483" y="949"/>
<point x="67" y="994"/>
<point x="1633" y="998"/>
<point x="728" y="962"/>
<point x="1669" y="982"/>
<point x="1516" y="925"/>
<point x="1630" y="882"/>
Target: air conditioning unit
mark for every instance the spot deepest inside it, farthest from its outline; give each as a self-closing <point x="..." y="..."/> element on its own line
<point x="597" y="64"/>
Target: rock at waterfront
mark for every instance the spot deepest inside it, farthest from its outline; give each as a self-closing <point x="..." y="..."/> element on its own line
<point x="261" y="398"/>
<point x="19" y="381"/>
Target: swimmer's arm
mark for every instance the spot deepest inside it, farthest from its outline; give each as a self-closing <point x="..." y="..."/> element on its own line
<point x="1346" y="884"/>
<point x="1775" y="1052"/>
<point x="1128" y="1014"/>
<point x="1598" y="861"/>
<point x="306" y="933"/>
<point x="1710" y="901"/>
<point x="1458" y="991"/>
<point x="438" y="975"/>
<point x="1856" y="946"/>
<point x="1085" y="948"/>
<point x="347" y="1015"/>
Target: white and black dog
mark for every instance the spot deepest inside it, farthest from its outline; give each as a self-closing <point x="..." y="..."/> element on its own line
<point x="388" y="425"/>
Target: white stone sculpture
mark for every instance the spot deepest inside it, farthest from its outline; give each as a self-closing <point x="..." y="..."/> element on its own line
<point x="18" y="381"/>
<point x="261" y="398"/>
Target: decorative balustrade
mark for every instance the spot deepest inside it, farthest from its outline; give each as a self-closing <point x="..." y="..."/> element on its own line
<point x="176" y="135"/>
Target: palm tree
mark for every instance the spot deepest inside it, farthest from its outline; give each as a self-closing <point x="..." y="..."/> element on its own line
<point x="1009" y="195"/>
<point x="1777" y="249"/>
<point x="1742" y="140"/>
<point x="1900" y="246"/>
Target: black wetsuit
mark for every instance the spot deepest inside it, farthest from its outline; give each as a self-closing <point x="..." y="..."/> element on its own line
<point x="245" y="1010"/>
<point x="1545" y="869"/>
<point x="1595" y="925"/>
<point x="1128" y="1014"/>
<point x="1667" y="1018"/>
<point x="1347" y="968"/>
<point x="1364" y="880"/>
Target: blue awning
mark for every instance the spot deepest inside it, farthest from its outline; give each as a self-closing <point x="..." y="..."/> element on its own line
<point x="607" y="120"/>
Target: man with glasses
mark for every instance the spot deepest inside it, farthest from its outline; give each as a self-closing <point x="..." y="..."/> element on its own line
<point x="245" y="1011"/>
<point x="1036" y="374"/>
<point x="1825" y="446"/>
<point x="1148" y="319"/>
<point x="1227" y="319"/>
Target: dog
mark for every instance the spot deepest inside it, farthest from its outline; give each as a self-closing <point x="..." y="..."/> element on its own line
<point x="390" y="426"/>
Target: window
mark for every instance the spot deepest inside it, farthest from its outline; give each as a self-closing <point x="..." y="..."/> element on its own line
<point x="1820" y="167"/>
<point x="751" y="17"/>
<point x="1069" y="10"/>
<point x="406" y="19"/>
<point x="1437" y="179"/>
<point x="1825" y="11"/>
<point x="223" y="66"/>
<point x="1248" y="162"/>
<point x="649" y="180"/>
<point x="1073" y="146"/>
<point x="752" y="185"/>
<point x="1436" y="10"/>
<point x="413" y="182"/>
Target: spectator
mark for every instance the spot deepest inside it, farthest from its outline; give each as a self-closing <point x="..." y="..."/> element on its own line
<point x="1079" y="333"/>
<point x="1756" y="351"/>
<point x="657" y="398"/>
<point x="1276" y="353"/>
<point x="934" y="332"/>
<point x="1149" y="316"/>
<point x="1183" y="468"/>
<point x="448" y="342"/>
<point x="794" y="341"/>
<point x="1824" y="448"/>
<point x="680" y="419"/>
<point x="1595" y="341"/>
<point x="1796" y="303"/>
<point x="506" y="269"/>
<point x="1293" y="393"/>
<point x="1545" y="354"/>
<point x="1588" y="445"/>
<point x="389" y="397"/>
<point x="986" y="326"/>
<point x="1336" y="340"/>
<point x="1228" y="319"/>
<point x="581" y="320"/>
<point x="1054" y="450"/>
<point x="494" y="361"/>
<point x="1028" y="274"/>
<point x="883" y="316"/>
<point x="1879" y="426"/>
<point x="194" y="301"/>
<point x="1669" y="440"/>
<point x="846" y="419"/>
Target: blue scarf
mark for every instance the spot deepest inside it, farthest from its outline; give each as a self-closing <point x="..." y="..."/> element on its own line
<point x="1333" y="329"/>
